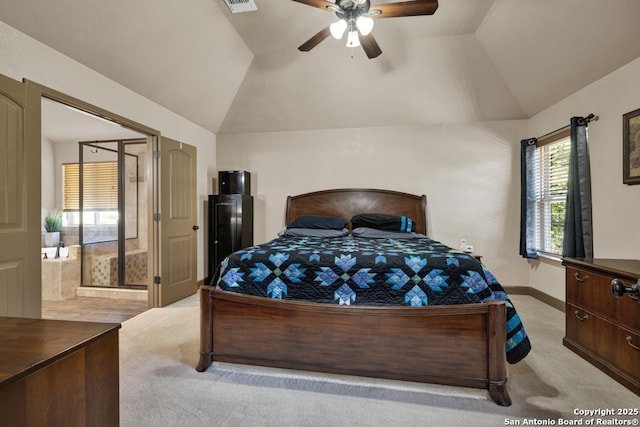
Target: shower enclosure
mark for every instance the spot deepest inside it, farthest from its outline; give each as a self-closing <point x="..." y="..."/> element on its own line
<point x="112" y="212"/>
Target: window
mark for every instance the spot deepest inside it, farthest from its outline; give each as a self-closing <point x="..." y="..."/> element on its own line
<point x="552" y="172"/>
<point x="100" y="193"/>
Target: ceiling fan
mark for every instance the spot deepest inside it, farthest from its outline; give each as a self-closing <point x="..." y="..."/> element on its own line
<point x="356" y="17"/>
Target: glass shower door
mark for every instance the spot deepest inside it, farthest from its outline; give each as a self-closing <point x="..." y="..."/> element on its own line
<point x="113" y="230"/>
<point x="99" y="215"/>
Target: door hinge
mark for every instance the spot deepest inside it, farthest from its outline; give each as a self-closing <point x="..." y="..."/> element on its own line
<point x="156" y="217"/>
<point x="156" y="280"/>
<point x="156" y="154"/>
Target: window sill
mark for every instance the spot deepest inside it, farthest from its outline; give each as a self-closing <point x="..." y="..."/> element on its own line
<point x="555" y="260"/>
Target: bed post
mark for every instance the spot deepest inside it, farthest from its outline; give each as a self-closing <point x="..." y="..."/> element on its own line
<point x="497" y="333"/>
<point x="206" y="329"/>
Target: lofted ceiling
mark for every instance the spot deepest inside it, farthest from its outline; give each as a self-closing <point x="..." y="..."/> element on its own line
<point x="472" y="60"/>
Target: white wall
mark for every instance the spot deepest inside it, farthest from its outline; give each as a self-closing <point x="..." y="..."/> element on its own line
<point x="469" y="173"/>
<point x="616" y="206"/>
<point x="65" y="152"/>
<point x="451" y="79"/>
<point x="48" y="200"/>
<point x="24" y="57"/>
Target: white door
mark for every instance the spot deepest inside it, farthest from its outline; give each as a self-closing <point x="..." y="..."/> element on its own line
<point x="20" y="235"/>
<point x="177" y="228"/>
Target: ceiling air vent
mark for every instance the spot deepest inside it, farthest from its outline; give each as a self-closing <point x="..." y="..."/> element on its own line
<point x="237" y="6"/>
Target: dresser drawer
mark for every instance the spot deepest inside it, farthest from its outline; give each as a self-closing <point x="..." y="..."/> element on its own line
<point x="592" y="291"/>
<point x="628" y="352"/>
<point x="587" y="329"/>
<point x="613" y="344"/>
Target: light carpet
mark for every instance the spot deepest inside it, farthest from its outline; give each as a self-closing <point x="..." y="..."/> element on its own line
<point x="159" y="385"/>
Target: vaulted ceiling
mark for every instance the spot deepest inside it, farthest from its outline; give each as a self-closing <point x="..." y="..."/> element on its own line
<point x="472" y="60"/>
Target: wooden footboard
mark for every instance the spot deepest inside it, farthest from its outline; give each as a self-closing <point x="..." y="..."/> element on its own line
<point x="460" y="345"/>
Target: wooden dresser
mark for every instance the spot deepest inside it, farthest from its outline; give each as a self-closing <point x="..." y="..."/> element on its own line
<point x="601" y="328"/>
<point x="58" y="373"/>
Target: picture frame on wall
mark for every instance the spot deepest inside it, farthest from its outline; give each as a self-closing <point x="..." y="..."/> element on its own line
<point x="631" y="147"/>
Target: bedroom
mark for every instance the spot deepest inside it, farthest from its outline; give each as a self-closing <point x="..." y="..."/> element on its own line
<point x="443" y="159"/>
<point x="467" y="129"/>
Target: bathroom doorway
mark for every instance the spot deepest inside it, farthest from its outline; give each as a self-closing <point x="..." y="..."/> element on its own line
<point x="95" y="172"/>
<point x="171" y="222"/>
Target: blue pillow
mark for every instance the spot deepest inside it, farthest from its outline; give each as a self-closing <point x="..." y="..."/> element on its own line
<point x="372" y="233"/>
<point x="383" y="222"/>
<point x="319" y="222"/>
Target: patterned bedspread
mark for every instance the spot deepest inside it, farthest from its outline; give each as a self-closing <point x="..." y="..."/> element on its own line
<point x="350" y="270"/>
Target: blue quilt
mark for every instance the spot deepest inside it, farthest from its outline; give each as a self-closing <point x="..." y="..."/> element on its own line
<point x="350" y="270"/>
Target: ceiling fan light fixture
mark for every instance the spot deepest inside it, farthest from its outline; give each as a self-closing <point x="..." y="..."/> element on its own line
<point x="355" y="18"/>
<point x="338" y="28"/>
<point x="364" y="24"/>
<point x="352" y="39"/>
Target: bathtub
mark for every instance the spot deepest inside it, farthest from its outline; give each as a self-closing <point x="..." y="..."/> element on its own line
<point x="51" y="252"/>
<point x="60" y="276"/>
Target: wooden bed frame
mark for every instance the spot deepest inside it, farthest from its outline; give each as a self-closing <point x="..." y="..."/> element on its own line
<point x="460" y="345"/>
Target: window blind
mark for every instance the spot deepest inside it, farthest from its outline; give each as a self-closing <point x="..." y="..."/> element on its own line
<point x="552" y="173"/>
<point x="100" y="186"/>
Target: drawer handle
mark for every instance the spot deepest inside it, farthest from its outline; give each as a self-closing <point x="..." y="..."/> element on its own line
<point x="629" y="339"/>
<point x="582" y="319"/>
<point x="580" y="279"/>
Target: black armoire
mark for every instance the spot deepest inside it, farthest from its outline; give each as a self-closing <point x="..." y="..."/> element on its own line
<point x="230" y="217"/>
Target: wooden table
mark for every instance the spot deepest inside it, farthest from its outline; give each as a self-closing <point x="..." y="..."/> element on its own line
<point x="56" y="372"/>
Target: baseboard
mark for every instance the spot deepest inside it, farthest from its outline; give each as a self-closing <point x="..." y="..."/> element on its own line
<point x="517" y="290"/>
<point x="539" y="295"/>
<point x="548" y="299"/>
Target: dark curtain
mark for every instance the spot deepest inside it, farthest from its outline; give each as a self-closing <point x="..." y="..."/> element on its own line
<point x="528" y="247"/>
<point x="578" y="228"/>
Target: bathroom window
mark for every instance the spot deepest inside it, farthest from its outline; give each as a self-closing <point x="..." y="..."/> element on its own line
<point x="100" y="193"/>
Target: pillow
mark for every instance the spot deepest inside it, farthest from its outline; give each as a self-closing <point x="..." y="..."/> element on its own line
<point x="314" y="232"/>
<point x="372" y="233"/>
<point x="319" y="222"/>
<point x="383" y="222"/>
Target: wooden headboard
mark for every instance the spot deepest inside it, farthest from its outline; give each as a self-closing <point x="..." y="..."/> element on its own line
<point x="347" y="202"/>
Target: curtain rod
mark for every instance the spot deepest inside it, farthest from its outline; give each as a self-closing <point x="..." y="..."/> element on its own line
<point x="590" y="118"/>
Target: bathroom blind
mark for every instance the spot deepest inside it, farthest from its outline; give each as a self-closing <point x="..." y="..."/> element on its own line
<point x="100" y="186"/>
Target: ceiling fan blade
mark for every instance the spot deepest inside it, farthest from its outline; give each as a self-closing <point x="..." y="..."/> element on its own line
<point x="370" y="45"/>
<point x="320" y="4"/>
<point x="406" y="8"/>
<point x="315" y="40"/>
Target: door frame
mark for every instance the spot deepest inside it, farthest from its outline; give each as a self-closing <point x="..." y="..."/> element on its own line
<point x="38" y="91"/>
